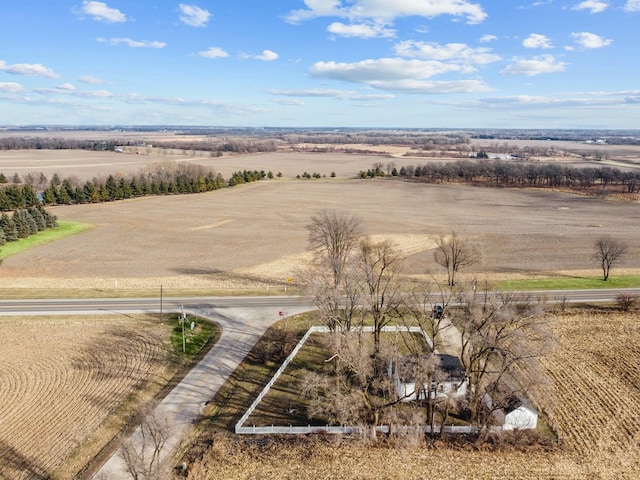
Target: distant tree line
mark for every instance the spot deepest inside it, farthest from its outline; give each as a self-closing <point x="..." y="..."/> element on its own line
<point x="167" y="178"/>
<point x="376" y="138"/>
<point x="25" y="222"/>
<point x="231" y="145"/>
<point x="520" y="174"/>
<point x="36" y="143"/>
<point x="235" y="145"/>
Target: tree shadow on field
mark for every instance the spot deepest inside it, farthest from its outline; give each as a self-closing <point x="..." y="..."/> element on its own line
<point x="13" y="463"/>
<point x="231" y="277"/>
<point x="544" y="273"/>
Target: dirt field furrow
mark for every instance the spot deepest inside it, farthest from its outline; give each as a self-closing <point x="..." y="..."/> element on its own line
<point x="64" y="381"/>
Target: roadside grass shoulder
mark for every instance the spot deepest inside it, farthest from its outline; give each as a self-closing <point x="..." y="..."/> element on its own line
<point x="570" y="283"/>
<point x="188" y="343"/>
<point x="64" y="229"/>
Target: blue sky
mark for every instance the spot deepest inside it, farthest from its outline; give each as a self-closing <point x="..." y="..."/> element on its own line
<point x="322" y="63"/>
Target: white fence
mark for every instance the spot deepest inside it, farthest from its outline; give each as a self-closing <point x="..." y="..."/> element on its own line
<point x="297" y="430"/>
<point x="291" y="430"/>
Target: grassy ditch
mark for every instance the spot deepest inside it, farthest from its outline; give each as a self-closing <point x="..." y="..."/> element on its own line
<point x="570" y="283"/>
<point x="64" y="229"/>
<point x="191" y="336"/>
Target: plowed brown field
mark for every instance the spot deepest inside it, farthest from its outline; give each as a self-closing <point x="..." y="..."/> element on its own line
<point x="61" y="378"/>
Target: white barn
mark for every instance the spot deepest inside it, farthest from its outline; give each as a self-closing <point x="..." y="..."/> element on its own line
<point x="520" y="414"/>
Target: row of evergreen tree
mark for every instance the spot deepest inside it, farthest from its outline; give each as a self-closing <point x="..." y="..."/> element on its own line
<point x="115" y="187"/>
<point x="25" y="222"/>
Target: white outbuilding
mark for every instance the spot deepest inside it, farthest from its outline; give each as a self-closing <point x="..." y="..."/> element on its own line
<point x="520" y="415"/>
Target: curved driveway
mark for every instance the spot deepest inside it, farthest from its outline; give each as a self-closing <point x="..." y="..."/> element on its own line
<point x="241" y="329"/>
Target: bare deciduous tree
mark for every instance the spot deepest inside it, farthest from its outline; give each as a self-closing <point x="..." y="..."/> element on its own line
<point x="337" y="304"/>
<point x="354" y="392"/>
<point x="503" y="339"/>
<point x="332" y="279"/>
<point x="141" y="453"/>
<point x="334" y="235"/>
<point x="608" y="250"/>
<point x="380" y="265"/>
<point x="454" y="253"/>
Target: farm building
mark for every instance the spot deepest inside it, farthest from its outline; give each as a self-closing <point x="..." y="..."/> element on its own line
<point x="448" y="378"/>
<point x="518" y="415"/>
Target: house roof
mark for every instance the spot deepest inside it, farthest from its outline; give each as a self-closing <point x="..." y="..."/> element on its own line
<point x="449" y="365"/>
<point x="516" y="402"/>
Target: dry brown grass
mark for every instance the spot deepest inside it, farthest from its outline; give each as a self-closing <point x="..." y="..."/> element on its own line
<point x="61" y="380"/>
<point x="594" y="405"/>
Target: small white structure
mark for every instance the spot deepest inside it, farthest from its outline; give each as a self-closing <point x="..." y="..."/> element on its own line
<point x="449" y="379"/>
<point x="519" y="415"/>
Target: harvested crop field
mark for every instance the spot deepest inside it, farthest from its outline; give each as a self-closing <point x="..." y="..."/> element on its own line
<point x="596" y="373"/>
<point x="62" y="378"/>
<point x="592" y="404"/>
<point x="255" y="233"/>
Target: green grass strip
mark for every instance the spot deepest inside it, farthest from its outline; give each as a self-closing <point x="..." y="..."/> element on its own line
<point x="64" y="229"/>
<point x="570" y="283"/>
<point x="194" y="340"/>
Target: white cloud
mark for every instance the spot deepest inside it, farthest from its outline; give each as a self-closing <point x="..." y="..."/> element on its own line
<point x="632" y="6"/>
<point x="360" y="30"/>
<point x="28" y="70"/>
<point x="456" y="52"/>
<point x="590" y="40"/>
<point x="424" y="87"/>
<point x="193" y="15"/>
<point x="383" y="69"/>
<point x="564" y="100"/>
<point x="594" y="6"/>
<point x="330" y="93"/>
<point x="488" y="38"/>
<point x="267" y="56"/>
<point x="534" y="66"/>
<point x="290" y="102"/>
<point x="535" y="40"/>
<point x="133" y="43"/>
<point x="67" y="87"/>
<point x="11" y="87"/>
<point x="399" y="75"/>
<point x="69" y="90"/>
<point x="214" y="52"/>
<point x="386" y="11"/>
<point x="101" y="12"/>
<point x="91" y="80"/>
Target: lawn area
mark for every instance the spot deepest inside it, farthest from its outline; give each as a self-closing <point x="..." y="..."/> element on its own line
<point x="570" y="283"/>
<point x="188" y="343"/>
<point x="64" y="229"/>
